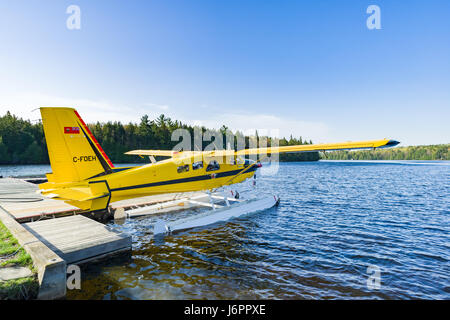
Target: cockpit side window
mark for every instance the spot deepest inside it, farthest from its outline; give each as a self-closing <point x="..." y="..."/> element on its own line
<point x="184" y="168"/>
<point x="213" y="166"/>
<point x="197" y="165"/>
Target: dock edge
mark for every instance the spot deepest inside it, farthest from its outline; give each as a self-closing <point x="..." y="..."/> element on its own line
<point x="51" y="268"/>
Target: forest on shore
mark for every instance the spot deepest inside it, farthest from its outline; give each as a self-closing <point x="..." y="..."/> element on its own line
<point x="429" y="152"/>
<point x="23" y="142"/>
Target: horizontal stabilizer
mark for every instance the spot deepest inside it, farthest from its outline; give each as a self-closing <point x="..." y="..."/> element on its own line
<point x="94" y="196"/>
<point x="78" y="194"/>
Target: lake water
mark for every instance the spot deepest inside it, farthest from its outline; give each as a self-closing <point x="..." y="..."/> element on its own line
<point x="340" y="227"/>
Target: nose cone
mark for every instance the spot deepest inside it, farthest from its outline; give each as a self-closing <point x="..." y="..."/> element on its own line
<point x="259" y="165"/>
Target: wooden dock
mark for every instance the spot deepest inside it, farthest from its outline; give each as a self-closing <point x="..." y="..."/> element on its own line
<point x="53" y="244"/>
<point x="62" y="228"/>
<point x="77" y="239"/>
<point x="56" y="234"/>
<point x="22" y="200"/>
<point x="71" y="236"/>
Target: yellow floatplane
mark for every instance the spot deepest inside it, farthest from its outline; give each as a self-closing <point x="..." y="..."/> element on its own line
<point x="84" y="176"/>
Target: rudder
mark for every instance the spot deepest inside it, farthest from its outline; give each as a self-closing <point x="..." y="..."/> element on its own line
<point x="74" y="153"/>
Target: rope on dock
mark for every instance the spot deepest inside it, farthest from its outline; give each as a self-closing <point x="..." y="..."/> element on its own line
<point x="20" y="199"/>
<point x="7" y="256"/>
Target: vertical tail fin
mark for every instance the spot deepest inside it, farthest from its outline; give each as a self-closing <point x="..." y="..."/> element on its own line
<point x="74" y="153"/>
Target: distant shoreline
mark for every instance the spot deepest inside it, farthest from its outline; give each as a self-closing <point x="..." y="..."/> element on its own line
<point x="322" y="159"/>
<point x="414" y="153"/>
<point x="38" y="173"/>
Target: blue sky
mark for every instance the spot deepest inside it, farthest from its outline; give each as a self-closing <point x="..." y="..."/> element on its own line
<point x="310" y="68"/>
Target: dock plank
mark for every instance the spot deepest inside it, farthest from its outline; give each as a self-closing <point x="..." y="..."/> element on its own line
<point x="77" y="238"/>
<point x="21" y="199"/>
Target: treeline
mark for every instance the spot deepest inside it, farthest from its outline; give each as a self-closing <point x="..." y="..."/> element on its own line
<point x="430" y="152"/>
<point x="23" y="142"/>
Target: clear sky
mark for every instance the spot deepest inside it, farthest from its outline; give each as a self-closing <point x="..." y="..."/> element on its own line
<point x="310" y="68"/>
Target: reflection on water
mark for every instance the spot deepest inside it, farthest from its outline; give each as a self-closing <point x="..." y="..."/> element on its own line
<point x="335" y="219"/>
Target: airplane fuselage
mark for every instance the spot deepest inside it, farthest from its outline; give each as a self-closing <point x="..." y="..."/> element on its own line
<point x="173" y="176"/>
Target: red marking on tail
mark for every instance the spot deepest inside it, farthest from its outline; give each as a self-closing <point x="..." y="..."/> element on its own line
<point x="94" y="140"/>
<point x="71" y="130"/>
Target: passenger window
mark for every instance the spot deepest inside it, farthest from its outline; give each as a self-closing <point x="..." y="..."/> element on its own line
<point x="197" y="165"/>
<point x="213" y="166"/>
<point x="182" y="169"/>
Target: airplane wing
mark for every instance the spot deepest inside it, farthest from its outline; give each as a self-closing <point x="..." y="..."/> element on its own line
<point x="162" y="153"/>
<point x="371" y="144"/>
<point x="179" y="154"/>
<point x="385" y="143"/>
